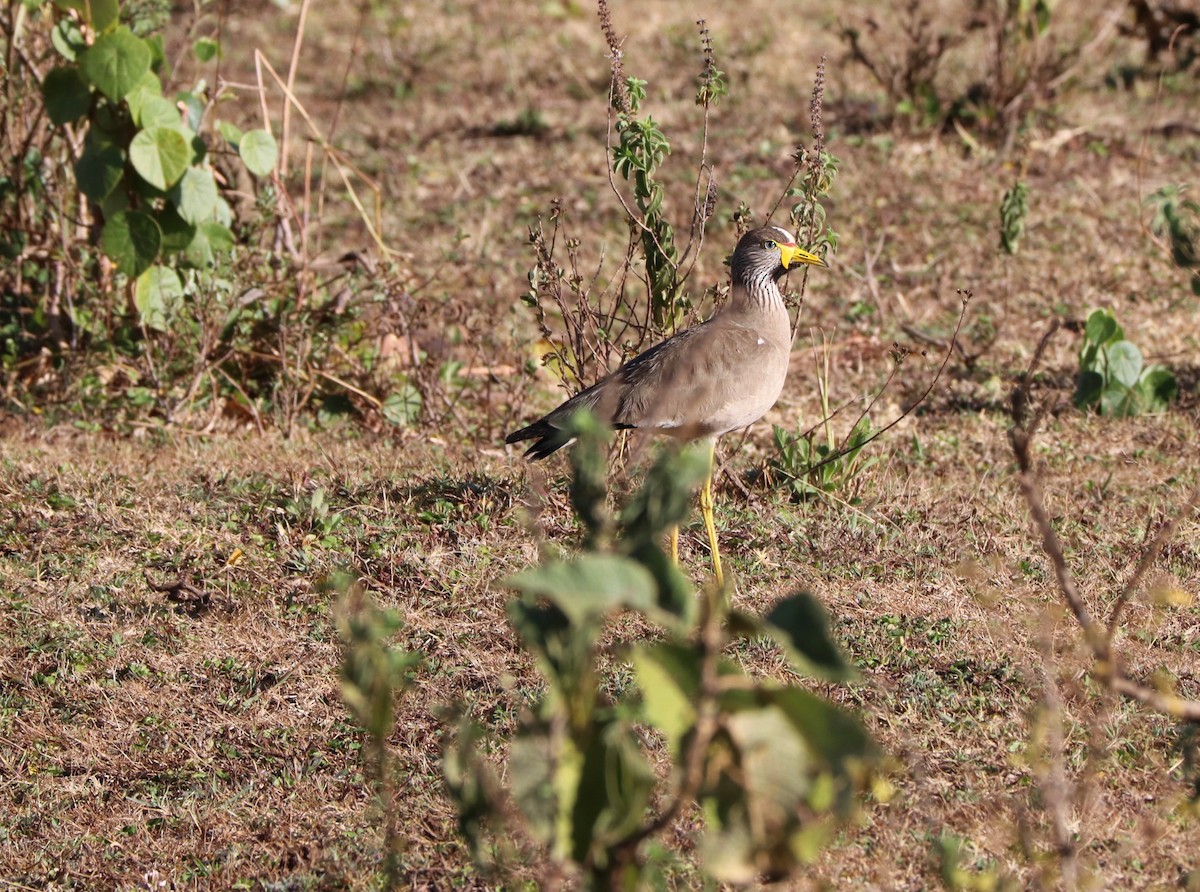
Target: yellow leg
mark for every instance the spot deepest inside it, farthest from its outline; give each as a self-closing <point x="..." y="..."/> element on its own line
<point x="675" y="545"/>
<point x="706" y="508"/>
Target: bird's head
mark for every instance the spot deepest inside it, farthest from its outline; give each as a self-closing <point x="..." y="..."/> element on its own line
<point x="771" y="251"/>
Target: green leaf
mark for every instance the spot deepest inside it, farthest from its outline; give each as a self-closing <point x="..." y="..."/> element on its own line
<point x="209" y="240"/>
<point x="402" y="407"/>
<point x="675" y="599"/>
<point x="195" y="195"/>
<point x="1158" y="387"/>
<point x="68" y="39"/>
<point x="154" y="111"/>
<point x="833" y="733"/>
<point x="665" y="496"/>
<point x="132" y="239"/>
<point x="1088" y="389"/>
<point x="205" y="49"/>
<point x="116" y="62"/>
<point x="231" y="133"/>
<point x="669" y="677"/>
<point x="99" y="170"/>
<point x="66" y="94"/>
<point x="800" y="624"/>
<point x="104" y="13"/>
<point x="1124" y="363"/>
<point x="177" y="233"/>
<point x="156" y="295"/>
<point x="1101" y="327"/>
<point x="259" y="152"/>
<point x="1118" y="401"/>
<point x="148" y="88"/>
<point x="589" y="586"/>
<point x="160" y="155"/>
<point x="611" y="792"/>
<point x="531" y="764"/>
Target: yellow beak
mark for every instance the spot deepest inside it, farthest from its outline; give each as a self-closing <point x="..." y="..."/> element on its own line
<point x="790" y="255"/>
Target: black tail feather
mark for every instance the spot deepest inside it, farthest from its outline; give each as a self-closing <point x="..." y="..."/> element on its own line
<point x="549" y="439"/>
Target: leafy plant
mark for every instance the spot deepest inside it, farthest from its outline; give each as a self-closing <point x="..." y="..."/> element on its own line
<point x="1013" y="208"/>
<point x="1113" y="376"/>
<point x="147" y="175"/>
<point x="1178" y="220"/>
<point x="802" y="462"/>
<point x="772" y="768"/>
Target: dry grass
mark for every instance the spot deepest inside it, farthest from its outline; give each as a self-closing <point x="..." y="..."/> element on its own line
<point x="205" y="745"/>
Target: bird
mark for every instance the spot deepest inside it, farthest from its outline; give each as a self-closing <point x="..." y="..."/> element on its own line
<point x="719" y="376"/>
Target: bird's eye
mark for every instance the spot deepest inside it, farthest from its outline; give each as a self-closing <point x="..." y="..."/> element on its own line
<point x="770" y="245"/>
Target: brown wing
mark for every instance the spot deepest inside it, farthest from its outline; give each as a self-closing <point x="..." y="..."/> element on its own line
<point x="690" y="381"/>
<point x="681" y="384"/>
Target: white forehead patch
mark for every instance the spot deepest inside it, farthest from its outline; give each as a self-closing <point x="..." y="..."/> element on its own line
<point x="784" y="236"/>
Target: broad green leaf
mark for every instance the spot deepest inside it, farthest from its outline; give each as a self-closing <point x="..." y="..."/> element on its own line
<point x="208" y="240"/>
<point x="160" y="155"/>
<point x="753" y="804"/>
<point x="205" y="49"/>
<point x="157" y="292"/>
<point x="177" y="233"/>
<point x="155" y="111"/>
<point x="589" y="586"/>
<point x="66" y="94"/>
<point x="675" y="599"/>
<point x="1101" y="327"/>
<point x="195" y="195"/>
<point x="800" y="624"/>
<point x="1124" y="363"/>
<point x="132" y="239"/>
<point x="99" y="170"/>
<point x="158" y="53"/>
<point x="1118" y="401"/>
<point x="104" y="13"/>
<point x="669" y="677"/>
<point x="833" y="733"/>
<point x="1088" y="389"/>
<point x="230" y="133"/>
<point x="1158" y="387"/>
<point x="146" y="89"/>
<point x="259" y="152"/>
<point x="402" y="407"/>
<point x="116" y="201"/>
<point x="116" y="62"/>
